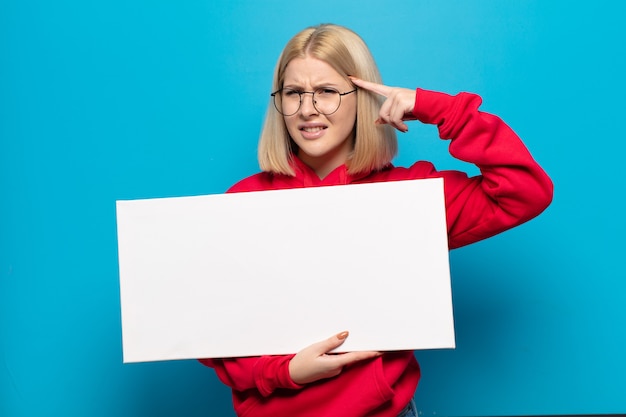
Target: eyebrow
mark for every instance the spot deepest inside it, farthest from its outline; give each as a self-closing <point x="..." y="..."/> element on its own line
<point x="315" y="87"/>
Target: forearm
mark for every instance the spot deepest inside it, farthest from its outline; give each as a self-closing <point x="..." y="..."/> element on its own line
<point x="512" y="187"/>
<point x="264" y="373"/>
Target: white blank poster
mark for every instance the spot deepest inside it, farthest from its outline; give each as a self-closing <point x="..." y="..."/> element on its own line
<point x="271" y="272"/>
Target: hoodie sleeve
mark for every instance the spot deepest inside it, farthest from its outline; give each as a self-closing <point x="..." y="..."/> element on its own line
<point x="263" y="373"/>
<point x="512" y="187"/>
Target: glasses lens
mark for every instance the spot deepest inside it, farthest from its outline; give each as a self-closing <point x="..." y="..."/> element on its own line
<point x="327" y="100"/>
<point x="287" y="101"/>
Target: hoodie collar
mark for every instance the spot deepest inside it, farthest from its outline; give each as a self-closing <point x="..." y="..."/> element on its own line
<point x="309" y="178"/>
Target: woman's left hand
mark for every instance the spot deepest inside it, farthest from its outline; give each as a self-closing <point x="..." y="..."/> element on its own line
<point x="397" y="107"/>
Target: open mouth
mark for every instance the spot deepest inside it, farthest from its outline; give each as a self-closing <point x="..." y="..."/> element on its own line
<point x="313" y="129"/>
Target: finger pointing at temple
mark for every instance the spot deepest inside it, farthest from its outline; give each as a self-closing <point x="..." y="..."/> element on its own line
<point x="397" y="107"/>
<point x="380" y="89"/>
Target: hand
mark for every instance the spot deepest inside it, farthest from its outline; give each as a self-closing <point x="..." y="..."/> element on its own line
<point x="397" y="107"/>
<point x="314" y="362"/>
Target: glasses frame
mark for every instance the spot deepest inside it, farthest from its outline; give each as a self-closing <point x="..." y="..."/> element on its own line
<point x="300" y="93"/>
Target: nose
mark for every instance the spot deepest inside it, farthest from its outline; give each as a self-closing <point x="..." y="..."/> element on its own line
<point x="307" y="106"/>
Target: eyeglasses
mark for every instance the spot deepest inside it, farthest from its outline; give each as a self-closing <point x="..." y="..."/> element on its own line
<point x="325" y="100"/>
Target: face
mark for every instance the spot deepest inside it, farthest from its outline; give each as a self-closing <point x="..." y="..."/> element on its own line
<point x="324" y="141"/>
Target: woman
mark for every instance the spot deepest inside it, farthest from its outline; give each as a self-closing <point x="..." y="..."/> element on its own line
<point x="333" y="123"/>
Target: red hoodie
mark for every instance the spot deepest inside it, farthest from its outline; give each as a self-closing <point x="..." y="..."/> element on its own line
<point x="511" y="189"/>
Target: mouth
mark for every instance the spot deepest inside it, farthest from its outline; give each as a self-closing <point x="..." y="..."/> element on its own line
<point x="312" y="129"/>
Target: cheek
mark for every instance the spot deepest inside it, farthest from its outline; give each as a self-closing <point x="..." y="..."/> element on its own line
<point x="347" y="119"/>
<point x="291" y="126"/>
<point x="349" y="111"/>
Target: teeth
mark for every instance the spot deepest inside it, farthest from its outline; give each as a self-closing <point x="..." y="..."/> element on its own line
<point x="312" y="129"/>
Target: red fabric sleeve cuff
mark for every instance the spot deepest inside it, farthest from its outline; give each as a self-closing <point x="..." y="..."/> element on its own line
<point x="430" y="106"/>
<point x="272" y="372"/>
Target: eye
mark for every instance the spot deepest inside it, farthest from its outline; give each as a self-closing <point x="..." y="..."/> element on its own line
<point x="288" y="92"/>
<point x="326" y="91"/>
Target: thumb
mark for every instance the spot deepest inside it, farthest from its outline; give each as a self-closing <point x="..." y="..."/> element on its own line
<point x="333" y="342"/>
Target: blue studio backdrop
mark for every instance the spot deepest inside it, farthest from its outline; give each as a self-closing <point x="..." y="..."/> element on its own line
<point x="108" y="100"/>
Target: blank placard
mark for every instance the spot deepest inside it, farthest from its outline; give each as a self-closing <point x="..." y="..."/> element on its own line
<point x="271" y="272"/>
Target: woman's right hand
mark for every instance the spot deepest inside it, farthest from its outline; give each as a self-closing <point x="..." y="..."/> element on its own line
<point x="315" y="362"/>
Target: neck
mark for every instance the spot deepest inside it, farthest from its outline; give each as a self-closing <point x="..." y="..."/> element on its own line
<point x="322" y="167"/>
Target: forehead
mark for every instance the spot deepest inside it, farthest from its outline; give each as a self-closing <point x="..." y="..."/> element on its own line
<point x="311" y="71"/>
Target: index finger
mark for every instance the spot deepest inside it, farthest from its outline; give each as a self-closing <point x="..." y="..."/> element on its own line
<point x="348" y="358"/>
<point x="381" y="89"/>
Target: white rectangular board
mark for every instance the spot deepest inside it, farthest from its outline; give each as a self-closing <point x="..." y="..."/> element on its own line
<point x="270" y="272"/>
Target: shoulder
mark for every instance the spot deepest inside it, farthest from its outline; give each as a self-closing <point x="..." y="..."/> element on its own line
<point x="264" y="181"/>
<point x="419" y="170"/>
<point x="257" y="182"/>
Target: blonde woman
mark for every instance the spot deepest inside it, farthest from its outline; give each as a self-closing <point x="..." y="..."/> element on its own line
<point x="333" y="122"/>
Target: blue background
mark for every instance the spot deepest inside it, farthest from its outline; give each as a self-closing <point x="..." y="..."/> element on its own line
<point x="108" y="100"/>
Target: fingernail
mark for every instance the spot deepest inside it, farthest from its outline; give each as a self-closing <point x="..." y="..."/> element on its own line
<point x="342" y="335"/>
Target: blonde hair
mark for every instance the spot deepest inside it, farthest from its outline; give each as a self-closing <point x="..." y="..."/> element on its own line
<point x="345" y="51"/>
